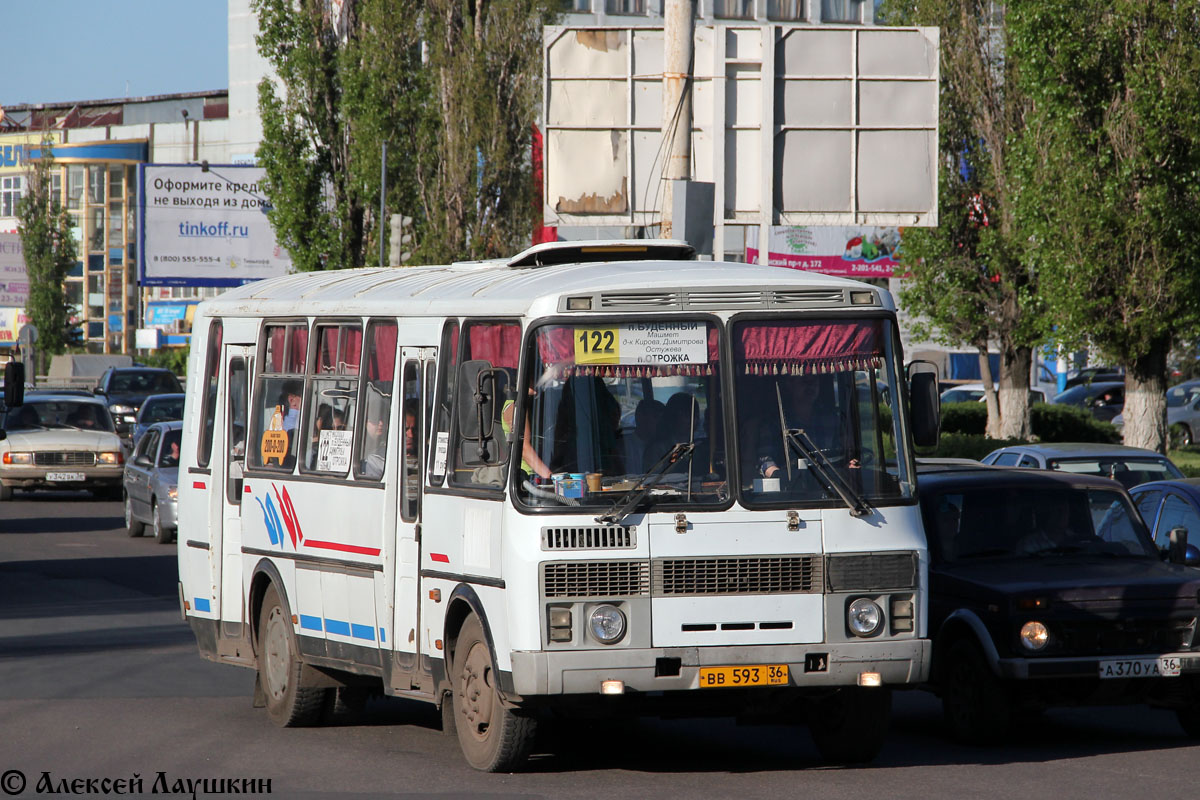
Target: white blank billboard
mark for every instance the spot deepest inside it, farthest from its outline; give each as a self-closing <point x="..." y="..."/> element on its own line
<point x="205" y="226"/>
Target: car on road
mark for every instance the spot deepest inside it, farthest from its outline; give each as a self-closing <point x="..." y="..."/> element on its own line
<point x="60" y="441"/>
<point x="152" y="482"/>
<point x="1183" y="414"/>
<point x="1095" y="375"/>
<point x="158" y="408"/>
<point x="1046" y="589"/>
<point x="124" y="389"/>
<point x="1128" y="465"/>
<point x="1166" y="505"/>
<point x="973" y="393"/>
<point x="1103" y="400"/>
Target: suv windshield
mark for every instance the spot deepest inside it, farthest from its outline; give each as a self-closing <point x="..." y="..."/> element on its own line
<point x="1019" y="522"/>
<point x="609" y="401"/>
<point x="1129" y="471"/>
<point x="41" y="414"/>
<point x="143" y="383"/>
<point x="833" y="380"/>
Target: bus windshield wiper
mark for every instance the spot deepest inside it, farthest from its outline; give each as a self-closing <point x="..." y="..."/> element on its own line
<point x="645" y="483"/>
<point x="826" y="472"/>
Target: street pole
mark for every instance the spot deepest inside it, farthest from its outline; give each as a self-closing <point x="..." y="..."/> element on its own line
<point x="382" y="200"/>
<point x="678" y="18"/>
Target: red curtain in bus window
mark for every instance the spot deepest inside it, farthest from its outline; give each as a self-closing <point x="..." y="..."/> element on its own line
<point x="350" y="349"/>
<point x="297" y="350"/>
<point x="338" y="349"/>
<point x="381" y="351"/>
<point x="499" y="343"/>
<point x="799" y="348"/>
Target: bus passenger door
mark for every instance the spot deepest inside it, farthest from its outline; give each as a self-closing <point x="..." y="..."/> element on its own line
<point x="239" y="363"/>
<point x="414" y="389"/>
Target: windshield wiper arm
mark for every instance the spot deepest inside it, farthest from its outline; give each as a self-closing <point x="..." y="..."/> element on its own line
<point x="645" y="483"/>
<point x="826" y="472"/>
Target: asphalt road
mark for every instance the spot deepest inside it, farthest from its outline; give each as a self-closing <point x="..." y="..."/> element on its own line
<point x="99" y="679"/>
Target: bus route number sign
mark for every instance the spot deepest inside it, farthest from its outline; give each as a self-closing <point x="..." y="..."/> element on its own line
<point x="597" y="346"/>
<point x="649" y="343"/>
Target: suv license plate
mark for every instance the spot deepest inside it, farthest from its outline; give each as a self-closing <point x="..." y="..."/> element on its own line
<point x="752" y="675"/>
<point x="1162" y="667"/>
<point x="61" y="477"/>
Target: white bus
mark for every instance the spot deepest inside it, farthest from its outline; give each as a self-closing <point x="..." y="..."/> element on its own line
<point x="593" y="479"/>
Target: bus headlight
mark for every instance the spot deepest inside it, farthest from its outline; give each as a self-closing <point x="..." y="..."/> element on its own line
<point x="606" y="624"/>
<point x="1034" y="636"/>
<point x="864" y="617"/>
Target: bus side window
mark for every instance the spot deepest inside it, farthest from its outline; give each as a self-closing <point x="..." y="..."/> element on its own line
<point x="499" y="344"/>
<point x="410" y="415"/>
<point x="279" y="397"/>
<point x="371" y="439"/>
<point x="439" y="444"/>
<point x="333" y="399"/>
<point x="212" y="366"/>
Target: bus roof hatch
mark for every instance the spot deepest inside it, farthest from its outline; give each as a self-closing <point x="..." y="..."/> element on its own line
<point x="552" y="253"/>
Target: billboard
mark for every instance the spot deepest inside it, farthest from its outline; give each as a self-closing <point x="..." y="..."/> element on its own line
<point x="794" y="124"/>
<point x="11" y="322"/>
<point x="203" y="225"/>
<point x="853" y="252"/>
<point x="14" y="282"/>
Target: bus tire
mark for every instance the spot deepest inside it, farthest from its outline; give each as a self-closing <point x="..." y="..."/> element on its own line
<point x="493" y="738"/>
<point x="132" y="526"/>
<point x="289" y="704"/>
<point x="850" y="725"/>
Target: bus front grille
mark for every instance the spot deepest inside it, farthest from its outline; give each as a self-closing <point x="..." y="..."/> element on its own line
<point x="589" y="537"/>
<point x="674" y="577"/>
<point x="872" y="572"/>
<point x="596" y="578"/>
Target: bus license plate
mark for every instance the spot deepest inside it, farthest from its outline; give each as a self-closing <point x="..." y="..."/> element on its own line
<point x="753" y="675"/>
<point x="61" y="477"/>
<point x="1165" y="666"/>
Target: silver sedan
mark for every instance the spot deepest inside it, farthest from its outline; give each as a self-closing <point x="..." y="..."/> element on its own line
<point x="151" y="482"/>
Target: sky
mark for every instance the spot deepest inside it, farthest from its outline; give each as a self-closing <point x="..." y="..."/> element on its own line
<point x="58" y="50"/>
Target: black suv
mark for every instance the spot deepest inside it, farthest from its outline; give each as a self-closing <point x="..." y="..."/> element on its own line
<point x="1046" y="589"/>
<point x="124" y="389"/>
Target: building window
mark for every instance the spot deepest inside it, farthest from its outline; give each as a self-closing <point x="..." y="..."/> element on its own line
<point x="733" y="9"/>
<point x="576" y="6"/>
<point x="11" y="190"/>
<point x="841" y="11"/>
<point x="786" y="10"/>
<point x="625" y="7"/>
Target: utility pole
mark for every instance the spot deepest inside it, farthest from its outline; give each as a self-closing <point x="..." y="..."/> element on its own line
<point x="382" y="199"/>
<point x="678" y="18"/>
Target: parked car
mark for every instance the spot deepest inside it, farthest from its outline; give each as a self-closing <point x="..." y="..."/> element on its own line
<point x="1104" y="399"/>
<point x="1096" y="375"/>
<point x="1046" y="589"/>
<point x="60" y="441"/>
<point x="152" y="481"/>
<point x="973" y="392"/>
<point x="1166" y="505"/>
<point x="1183" y="414"/>
<point x="124" y="389"/>
<point x="1129" y="465"/>
<point x="157" y="408"/>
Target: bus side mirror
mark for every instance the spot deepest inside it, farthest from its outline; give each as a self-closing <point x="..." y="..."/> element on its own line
<point x="476" y="402"/>
<point x="925" y="407"/>
<point x="14" y="384"/>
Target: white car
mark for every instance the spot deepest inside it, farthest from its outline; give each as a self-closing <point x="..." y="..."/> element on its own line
<point x="973" y="392"/>
<point x="60" y="441"/>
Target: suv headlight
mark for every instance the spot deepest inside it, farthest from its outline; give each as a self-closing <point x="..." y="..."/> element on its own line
<point x="18" y="458"/>
<point x="864" y="617"/>
<point x="121" y="408"/>
<point x="1034" y="636"/>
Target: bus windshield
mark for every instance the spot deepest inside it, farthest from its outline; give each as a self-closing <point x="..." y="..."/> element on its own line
<point x="816" y="417"/>
<point x="608" y="403"/>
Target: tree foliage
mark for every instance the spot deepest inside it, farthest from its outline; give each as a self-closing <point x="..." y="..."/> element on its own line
<point x="1110" y="175"/>
<point x="971" y="279"/>
<point x="46" y="237"/>
<point x="451" y="86"/>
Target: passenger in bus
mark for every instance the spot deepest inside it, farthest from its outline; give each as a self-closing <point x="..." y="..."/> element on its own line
<point x="646" y="420"/>
<point x="375" y="446"/>
<point x="328" y="419"/>
<point x="803" y="408"/>
<point x="531" y="462"/>
<point x="291" y="399"/>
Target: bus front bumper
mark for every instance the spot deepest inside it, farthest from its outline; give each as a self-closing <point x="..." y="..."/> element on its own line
<point x="901" y="663"/>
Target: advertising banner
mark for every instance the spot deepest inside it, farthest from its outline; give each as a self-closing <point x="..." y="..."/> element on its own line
<point x="833" y="250"/>
<point x="14" y="283"/>
<point x="11" y="322"/>
<point x="206" y="226"/>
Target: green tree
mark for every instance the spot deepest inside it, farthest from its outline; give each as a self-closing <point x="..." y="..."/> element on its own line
<point x="46" y="237"/>
<point x="1110" y="178"/>
<point x="971" y="279"/>
<point x="343" y="86"/>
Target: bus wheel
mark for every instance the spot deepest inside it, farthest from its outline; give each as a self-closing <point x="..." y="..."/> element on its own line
<point x="976" y="707"/>
<point x="493" y="738"/>
<point x="849" y="726"/>
<point x="132" y="525"/>
<point x="289" y="704"/>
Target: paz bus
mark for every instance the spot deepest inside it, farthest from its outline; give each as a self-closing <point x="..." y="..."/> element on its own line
<point x="594" y="479"/>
